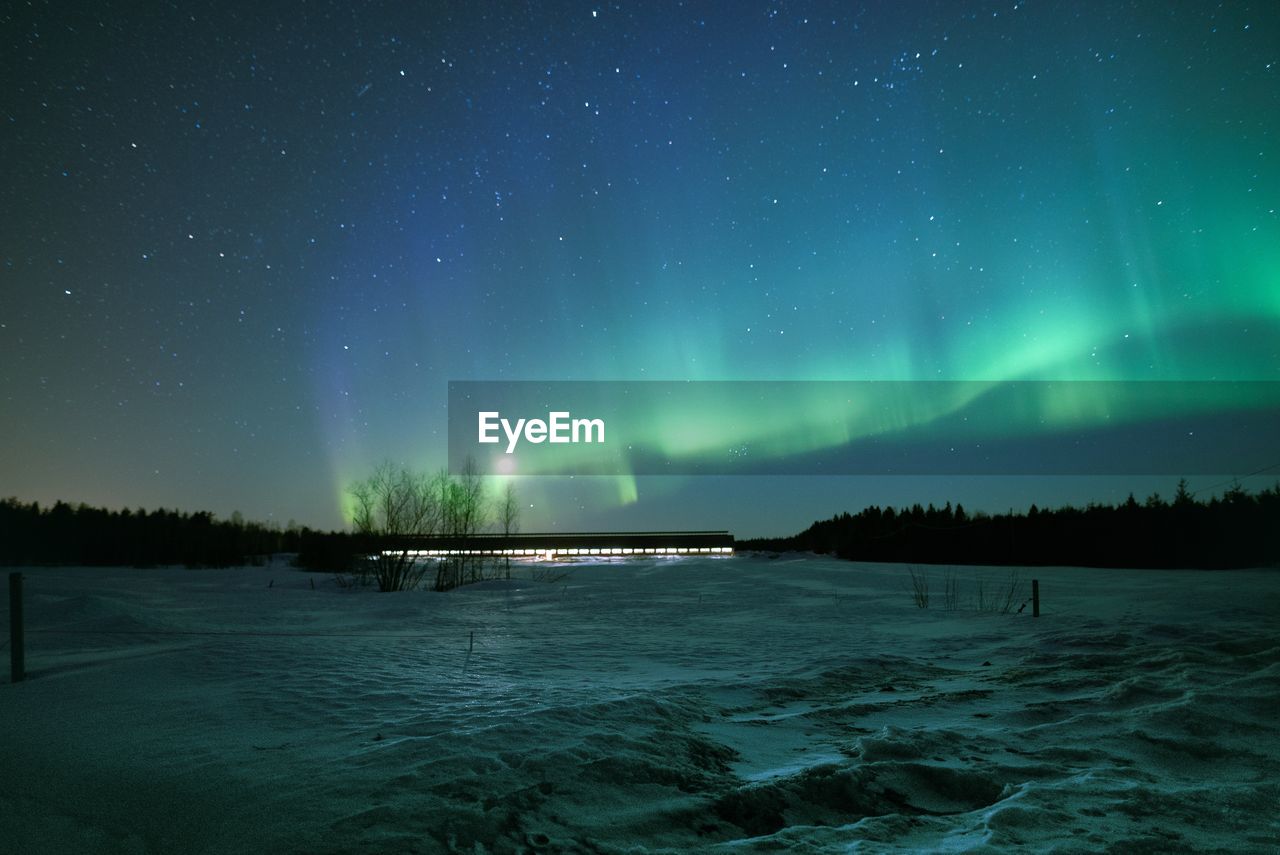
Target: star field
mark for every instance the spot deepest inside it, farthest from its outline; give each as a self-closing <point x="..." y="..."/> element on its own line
<point x="245" y="246"/>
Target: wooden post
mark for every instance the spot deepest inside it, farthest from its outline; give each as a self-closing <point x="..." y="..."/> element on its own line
<point x="16" y="651"/>
<point x="1035" y="598"/>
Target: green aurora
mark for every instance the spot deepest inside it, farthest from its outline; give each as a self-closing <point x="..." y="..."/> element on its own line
<point x="241" y="272"/>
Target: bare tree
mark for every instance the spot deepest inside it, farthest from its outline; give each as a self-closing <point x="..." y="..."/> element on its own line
<point x="951" y="592"/>
<point x="463" y="515"/>
<point x="1000" y="599"/>
<point x="919" y="588"/>
<point x="392" y="506"/>
<point x="397" y="508"/>
<point x="509" y="517"/>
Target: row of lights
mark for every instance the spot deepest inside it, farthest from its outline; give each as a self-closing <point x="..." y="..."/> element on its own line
<point x="552" y="553"/>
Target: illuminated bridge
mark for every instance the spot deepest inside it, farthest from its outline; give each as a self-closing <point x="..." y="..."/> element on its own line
<point x="571" y="544"/>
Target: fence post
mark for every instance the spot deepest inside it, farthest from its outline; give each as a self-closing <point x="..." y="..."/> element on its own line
<point x="1035" y="598"/>
<point x="16" y="651"/>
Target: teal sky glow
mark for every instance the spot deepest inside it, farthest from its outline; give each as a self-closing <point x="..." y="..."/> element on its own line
<point x="246" y="247"/>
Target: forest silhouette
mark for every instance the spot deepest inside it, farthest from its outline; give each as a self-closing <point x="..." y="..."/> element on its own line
<point x="1237" y="529"/>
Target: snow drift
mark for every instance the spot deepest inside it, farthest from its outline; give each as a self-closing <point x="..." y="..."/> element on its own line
<point x="698" y="704"/>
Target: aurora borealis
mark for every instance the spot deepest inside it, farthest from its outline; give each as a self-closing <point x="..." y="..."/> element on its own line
<point x="869" y="427"/>
<point x="247" y="246"/>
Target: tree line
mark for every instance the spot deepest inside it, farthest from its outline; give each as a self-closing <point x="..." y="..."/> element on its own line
<point x="392" y="510"/>
<point x="1237" y="529"/>
<point x="65" y="534"/>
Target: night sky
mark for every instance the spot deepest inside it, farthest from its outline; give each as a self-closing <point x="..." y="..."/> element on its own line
<point x="246" y="246"/>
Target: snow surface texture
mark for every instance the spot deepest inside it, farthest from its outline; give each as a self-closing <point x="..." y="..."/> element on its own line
<point x="733" y="705"/>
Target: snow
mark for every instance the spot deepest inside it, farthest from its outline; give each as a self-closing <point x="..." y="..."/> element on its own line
<point x="744" y="704"/>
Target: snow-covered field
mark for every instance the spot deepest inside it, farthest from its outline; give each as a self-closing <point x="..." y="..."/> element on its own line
<point x="731" y="705"/>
